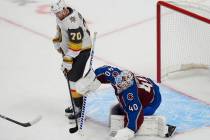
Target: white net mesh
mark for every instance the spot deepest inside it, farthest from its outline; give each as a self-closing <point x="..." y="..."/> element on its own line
<point x="185" y="41"/>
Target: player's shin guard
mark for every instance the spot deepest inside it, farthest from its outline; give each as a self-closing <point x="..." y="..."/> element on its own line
<point x="76" y="101"/>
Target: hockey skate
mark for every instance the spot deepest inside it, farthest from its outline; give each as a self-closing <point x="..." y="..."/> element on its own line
<point x="77" y="109"/>
<point x="69" y="111"/>
<point x="70" y="114"/>
<point x="76" y="116"/>
<point x="171" y="130"/>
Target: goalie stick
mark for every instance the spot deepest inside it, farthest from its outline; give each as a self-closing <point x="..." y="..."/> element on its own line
<point x="75" y="129"/>
<point x="27" y="124"/>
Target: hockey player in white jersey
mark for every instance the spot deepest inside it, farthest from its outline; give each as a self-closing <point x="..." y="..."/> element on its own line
<point x="73" y="42"/>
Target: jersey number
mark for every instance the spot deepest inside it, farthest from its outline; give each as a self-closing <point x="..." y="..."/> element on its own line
<point x="107" y="72"/>
<point x="76" y="36"/>
<point x="144" y="85"/>
<point x="133" y="107"/>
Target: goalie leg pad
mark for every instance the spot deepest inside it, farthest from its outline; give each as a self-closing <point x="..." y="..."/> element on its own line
<point x="116" y="123"/>
<point x="124" y="134"/>
<point x="152" y="125"/>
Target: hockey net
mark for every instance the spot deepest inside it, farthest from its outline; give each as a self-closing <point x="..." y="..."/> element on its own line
<point x="183" y="37"/>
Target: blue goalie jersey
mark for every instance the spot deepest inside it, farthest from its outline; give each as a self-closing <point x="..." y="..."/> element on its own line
<point x="137" y="95"/>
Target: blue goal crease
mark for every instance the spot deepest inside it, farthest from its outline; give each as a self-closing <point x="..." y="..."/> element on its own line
<point x="182" y="111"/>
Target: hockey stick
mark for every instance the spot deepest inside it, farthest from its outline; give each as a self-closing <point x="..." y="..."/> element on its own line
<point x="74" y="129"/>
<point x="27" y="124"/>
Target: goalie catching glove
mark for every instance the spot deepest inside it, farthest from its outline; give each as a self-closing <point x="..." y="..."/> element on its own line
<point x="88" y="83"/>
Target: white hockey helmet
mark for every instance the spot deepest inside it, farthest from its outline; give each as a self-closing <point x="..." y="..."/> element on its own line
<point x="57" y="5"/>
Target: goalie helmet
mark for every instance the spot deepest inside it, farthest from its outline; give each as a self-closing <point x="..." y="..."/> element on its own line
<point x="124" y="80"/>
<point x="57" y="6"/>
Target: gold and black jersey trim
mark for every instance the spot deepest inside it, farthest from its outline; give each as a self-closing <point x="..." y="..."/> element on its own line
<point x="75" y="46"/>
<point x="68" y="59"/>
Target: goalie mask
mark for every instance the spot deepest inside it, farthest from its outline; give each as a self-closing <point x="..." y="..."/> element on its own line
<point x="124" y="80"/>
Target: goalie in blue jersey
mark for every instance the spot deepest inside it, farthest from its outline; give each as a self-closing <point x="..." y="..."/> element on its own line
<point x="138" y="96"/>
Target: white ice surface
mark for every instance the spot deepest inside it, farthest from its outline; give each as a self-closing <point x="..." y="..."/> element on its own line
<point x="30" y="77"/>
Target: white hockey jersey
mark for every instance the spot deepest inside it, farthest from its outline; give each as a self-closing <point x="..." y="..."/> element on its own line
<point x="72" y="34"/>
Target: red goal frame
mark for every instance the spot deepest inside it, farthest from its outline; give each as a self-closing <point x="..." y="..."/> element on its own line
<point x="180" y="10"/>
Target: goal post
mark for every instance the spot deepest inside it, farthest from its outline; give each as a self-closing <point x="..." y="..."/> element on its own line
<point x="183" y="37"/>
